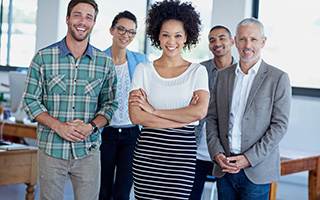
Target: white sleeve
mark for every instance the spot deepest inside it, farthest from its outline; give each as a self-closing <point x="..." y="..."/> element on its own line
<point x="201" y="82"/>
<point x="137" y="78"/>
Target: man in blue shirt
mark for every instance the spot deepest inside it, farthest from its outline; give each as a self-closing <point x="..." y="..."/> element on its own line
<point x="70" y="91"/>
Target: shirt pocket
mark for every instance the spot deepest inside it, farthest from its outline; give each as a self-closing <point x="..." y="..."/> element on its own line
<point x="56" y="84"/>
<point x="92" y="87"/>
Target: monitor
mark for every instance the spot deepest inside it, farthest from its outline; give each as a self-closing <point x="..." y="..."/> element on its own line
<point x="16" y="84"/>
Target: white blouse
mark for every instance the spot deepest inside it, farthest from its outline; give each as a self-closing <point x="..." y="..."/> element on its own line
<point x="169" y="93"/>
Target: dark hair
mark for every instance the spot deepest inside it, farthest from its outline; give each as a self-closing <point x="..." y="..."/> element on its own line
<point x="73" y="3"/>
<point x="125" y="14"/>
<point x="173" y="10"/>
<point x="221" y="27"/>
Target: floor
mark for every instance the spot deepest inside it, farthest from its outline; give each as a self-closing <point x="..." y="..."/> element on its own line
<point x="291" y="187"/>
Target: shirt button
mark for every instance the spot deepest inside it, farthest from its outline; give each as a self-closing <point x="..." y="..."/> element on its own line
<point x="120" y="130"/>
<point x="74" y="93"/>
<point x="75" y="80"/>
<point x="73" y="107"/>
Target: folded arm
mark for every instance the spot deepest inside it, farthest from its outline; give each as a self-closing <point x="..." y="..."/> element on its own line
<point x="193" y="112"/>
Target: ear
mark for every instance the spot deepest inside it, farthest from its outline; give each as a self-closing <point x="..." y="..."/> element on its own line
<point x="67" y="19"/>
<point x="263" y="42"/>
<point x="232" y="41"/>
<point x="186" y="38"/>
<point x="235" y="41"/>
<point x="111" y="30"/>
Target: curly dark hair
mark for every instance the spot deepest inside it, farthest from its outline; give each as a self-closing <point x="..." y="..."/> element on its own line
<point x="173" y="10"/>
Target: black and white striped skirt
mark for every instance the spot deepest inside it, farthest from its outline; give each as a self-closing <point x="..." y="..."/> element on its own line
<point x="164" y="163"/>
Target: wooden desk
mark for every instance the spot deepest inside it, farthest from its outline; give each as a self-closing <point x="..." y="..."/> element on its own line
<point x="19" y="166"/>
<point x="307" y="162"/>
<point x="12" y="128"/>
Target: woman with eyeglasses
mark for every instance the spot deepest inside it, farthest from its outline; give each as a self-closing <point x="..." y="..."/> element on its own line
<point x="119" y="137"/>
<point x="168" y="96"/>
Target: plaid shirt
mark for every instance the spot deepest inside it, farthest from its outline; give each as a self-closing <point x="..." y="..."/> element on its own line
<point x="69" y="89"/>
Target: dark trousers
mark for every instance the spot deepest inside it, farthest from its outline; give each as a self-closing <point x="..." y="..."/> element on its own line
<point x="203" y="168"/>
<point x="117" y="150"/>
<point x="239" y="187"/>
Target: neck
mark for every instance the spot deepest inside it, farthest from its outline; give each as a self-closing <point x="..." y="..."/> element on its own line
<point x="246" y="66"/>
<point x="166" y="61"/>
<point x="223" y="61"/>
<point x="77" y="48"/>
<point x="119" y="56"/>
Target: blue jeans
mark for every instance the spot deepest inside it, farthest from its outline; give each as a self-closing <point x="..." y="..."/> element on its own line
<point x="117" y="150"/>
<point x="203" y="168"/>
<point x="84" y="174"/>
<point x="239" y="187"/>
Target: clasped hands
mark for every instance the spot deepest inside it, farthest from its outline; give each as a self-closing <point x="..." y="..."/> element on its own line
<point x="74" y="131"/>
<point x="232" y="164"/>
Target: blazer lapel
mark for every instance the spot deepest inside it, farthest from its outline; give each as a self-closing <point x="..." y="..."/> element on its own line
<point x="258" y="80"/>
<point x="231" y="77"/>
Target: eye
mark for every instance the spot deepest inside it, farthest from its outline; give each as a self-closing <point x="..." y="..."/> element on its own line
<point x="165" y="35"/>
<point x="89" y="18"/>
<point x="178" y="36"/>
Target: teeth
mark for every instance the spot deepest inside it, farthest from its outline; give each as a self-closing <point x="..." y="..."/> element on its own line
<point x="171" y="48"/>
<point x="81" y="29"/>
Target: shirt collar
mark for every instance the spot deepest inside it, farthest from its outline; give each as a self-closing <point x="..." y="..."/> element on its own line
<point x="214" y="67"/>
<point x="252" y="70"/>
<point x="64" y="51"/>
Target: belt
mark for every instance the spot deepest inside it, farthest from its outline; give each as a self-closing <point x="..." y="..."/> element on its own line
<point x="120" y="129"/>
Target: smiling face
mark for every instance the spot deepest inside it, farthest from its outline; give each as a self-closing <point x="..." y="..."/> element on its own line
<point x="172" y="37"/>
<point x="249" y="43"/>
<point x="81" y="21"/>
<point x="122" y="41"/>
<point x="220" y="42"/>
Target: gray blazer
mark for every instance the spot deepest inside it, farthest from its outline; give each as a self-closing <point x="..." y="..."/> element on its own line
<point x="264" y="122"/>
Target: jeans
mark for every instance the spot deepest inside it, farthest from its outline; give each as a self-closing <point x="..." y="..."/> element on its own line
<point x="117" y="150"/>
<point x="203" y="168"/>
<point x="239" y="187"/>
<point x="84" y="174"/>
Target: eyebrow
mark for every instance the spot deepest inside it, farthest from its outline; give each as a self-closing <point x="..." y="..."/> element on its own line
<point x="175" y="32"/>
<point x="78" y="12"/>
<point x="220" y="36"/>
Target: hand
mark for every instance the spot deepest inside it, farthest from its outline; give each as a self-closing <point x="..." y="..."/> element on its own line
<point x="194" y="100"/>
<point x="68" y="132"/>
<point x="140" y="99"/>
<point x="225" y="164"/>
<point x="81" y="127"/>
<point x="240" y="161"/>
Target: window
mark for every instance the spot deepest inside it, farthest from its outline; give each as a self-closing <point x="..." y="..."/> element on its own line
<point x="18" y="32"/>
<point x="293" y="29"/>
<point x="201" y="51"/>
<point x="101" y="37"/>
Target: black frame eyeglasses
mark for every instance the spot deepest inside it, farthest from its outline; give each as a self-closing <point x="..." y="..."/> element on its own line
<point x="122" y="30"/>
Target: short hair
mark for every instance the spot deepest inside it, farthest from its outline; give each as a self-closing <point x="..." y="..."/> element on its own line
<point x="125" y="14"/>
<point x="221" y="27"/>
<point x="73" y="3"/>
<point x="173" y="10"/>
<point x="251" y="21"/>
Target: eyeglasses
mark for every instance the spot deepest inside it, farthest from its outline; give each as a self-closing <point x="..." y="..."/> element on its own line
<point x="122" y="30"/>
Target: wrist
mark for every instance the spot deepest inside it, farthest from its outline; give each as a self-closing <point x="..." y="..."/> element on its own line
<point x="94" y="127"/>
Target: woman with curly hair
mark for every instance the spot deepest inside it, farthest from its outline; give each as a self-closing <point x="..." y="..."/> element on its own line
<point x="168" y="96"/>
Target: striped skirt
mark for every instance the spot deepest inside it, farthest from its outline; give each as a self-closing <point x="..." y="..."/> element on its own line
<point x="164" y="163"/>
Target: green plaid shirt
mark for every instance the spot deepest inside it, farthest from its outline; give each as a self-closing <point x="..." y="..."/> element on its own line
<point x="69" y="89"/>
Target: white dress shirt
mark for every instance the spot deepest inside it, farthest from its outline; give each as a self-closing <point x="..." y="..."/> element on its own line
<point x="241" y="88"/>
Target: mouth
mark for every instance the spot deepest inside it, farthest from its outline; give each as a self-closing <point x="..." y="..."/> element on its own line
<point x="219" y="48"/>
<point x="81" y="29"/>
<point x="247" y="51"/>
<point x="171" y="48"/>
<point x="123" y="41"/>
